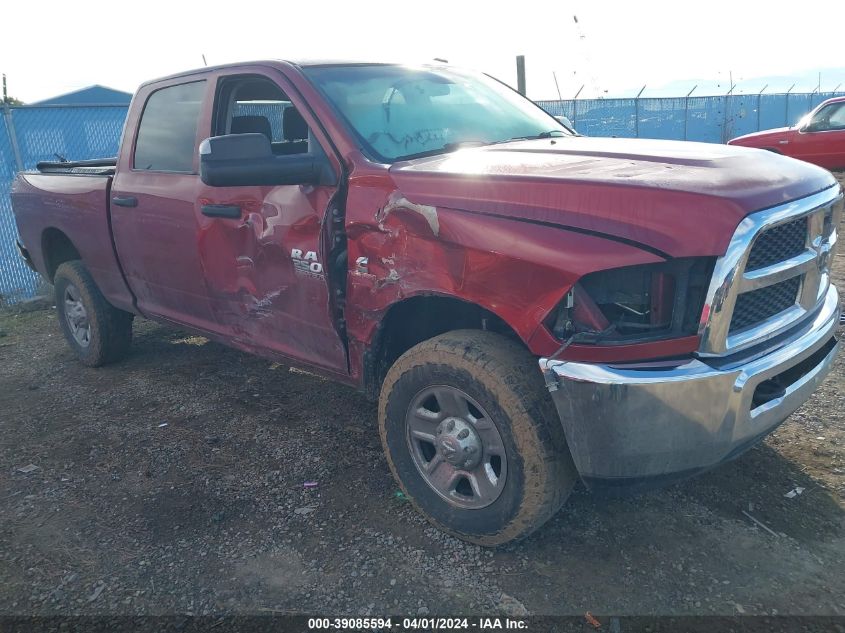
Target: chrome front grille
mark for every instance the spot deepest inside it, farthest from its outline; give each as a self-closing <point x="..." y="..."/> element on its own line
<point x="774" y="273"/>
<point x="764" y="303"/>
<point x="778" y="244"/>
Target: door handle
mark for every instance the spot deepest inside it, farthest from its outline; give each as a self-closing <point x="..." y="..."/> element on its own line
<point x="221" y="210"/>
<point x="127" y="201"/>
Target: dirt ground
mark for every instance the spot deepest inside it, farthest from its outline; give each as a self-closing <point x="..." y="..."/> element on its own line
<point x="172" y="482"/>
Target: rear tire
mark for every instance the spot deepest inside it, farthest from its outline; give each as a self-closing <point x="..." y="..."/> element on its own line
<point x="97" y="332"/>
<point x="459" y="383"/>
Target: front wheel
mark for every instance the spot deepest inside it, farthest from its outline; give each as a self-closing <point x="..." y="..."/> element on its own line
<point x="473" y="437"/>
<point x="97" y="332"/>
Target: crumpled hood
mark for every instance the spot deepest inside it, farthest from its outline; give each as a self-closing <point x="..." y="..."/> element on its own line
<point x="684" y="199"/>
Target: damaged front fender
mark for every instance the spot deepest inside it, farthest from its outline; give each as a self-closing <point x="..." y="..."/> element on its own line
<point x="514" y="269"/>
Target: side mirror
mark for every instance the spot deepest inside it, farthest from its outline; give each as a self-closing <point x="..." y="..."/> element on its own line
<point x="235" y="160"/>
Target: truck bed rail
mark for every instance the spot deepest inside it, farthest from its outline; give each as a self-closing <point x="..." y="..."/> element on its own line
<point x="95" y="167"/>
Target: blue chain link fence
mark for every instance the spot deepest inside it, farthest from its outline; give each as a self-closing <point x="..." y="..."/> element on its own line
<point x="29" y="134"/>
<point x="707" y="119"/>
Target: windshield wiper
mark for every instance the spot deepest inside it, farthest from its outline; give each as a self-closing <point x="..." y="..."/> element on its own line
<point x="445" y="149"/>
<point x="451" y="147"/>
<point x="533" y="137"/>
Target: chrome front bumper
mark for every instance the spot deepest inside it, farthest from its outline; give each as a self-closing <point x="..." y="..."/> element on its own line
<point x="654" y="422"/>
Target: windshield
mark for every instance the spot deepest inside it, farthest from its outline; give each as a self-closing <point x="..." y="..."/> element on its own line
<point x="401" y="112"/>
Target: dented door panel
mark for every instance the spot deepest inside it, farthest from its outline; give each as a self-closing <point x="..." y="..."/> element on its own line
<point x="265" y="271"/>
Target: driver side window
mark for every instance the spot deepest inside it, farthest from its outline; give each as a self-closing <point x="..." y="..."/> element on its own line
<point x="257" y="105"/>
<point x="831" y="117"/>
<point x="837" y="118"/>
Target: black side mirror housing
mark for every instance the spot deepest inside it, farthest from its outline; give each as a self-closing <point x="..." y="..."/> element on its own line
<point x="237" y="160"/>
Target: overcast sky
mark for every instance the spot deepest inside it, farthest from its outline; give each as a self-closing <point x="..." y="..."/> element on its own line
<point x="52" y="47"/>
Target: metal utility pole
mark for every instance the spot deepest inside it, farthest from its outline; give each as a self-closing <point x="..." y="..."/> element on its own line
<point x="520" y="74"/>
<point x="686" y="109"/>
<point x="637" y="113"/>
<point x="786" y="106"/>
<point x="575" y="104"/>
<point x="10" y="127"/>
<point x="759" y="100"/>
<point x="725" y="133"/>
<point x="559" y="97"/>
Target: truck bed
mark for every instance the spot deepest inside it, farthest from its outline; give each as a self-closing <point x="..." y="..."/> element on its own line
<point x="70" y="205"/>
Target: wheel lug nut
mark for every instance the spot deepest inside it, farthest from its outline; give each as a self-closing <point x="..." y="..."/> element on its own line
<point x="451" y="425"/>
<point x="469" y="449"/>
<point x="463" y="434"/>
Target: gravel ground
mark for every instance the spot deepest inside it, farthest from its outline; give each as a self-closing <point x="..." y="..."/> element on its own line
<point x="173" y="482"/>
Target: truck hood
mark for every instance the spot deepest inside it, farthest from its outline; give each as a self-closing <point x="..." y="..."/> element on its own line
<point x="682" y="199"/>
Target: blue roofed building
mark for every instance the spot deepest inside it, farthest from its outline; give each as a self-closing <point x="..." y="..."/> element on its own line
<point x="92" y="95"/>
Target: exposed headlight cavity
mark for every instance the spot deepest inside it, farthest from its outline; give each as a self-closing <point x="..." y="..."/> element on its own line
<point x="638" y="303"/>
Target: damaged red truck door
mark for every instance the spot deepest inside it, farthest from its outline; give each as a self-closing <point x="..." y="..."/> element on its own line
<point x="530" y="308"/>
<point x="220" y="257"/>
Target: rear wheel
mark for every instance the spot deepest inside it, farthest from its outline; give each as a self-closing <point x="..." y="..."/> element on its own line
<point x="98" y="332"/>
<point x="472" y="437"/>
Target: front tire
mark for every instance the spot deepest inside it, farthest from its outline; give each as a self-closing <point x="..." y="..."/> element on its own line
<point x="97" y="332"/>
<point x="473" y="438"/>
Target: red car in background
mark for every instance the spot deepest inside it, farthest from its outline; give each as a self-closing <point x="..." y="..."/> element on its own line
<point x="818" y="138"/>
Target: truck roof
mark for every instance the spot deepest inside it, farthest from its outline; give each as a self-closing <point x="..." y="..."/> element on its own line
<point x="301" y="63"/>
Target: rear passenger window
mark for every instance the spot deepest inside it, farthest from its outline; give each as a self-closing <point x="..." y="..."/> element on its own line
<point x="167" y="135"/>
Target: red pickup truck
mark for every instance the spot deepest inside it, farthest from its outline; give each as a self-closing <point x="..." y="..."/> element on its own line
<point x="530" y="307"/>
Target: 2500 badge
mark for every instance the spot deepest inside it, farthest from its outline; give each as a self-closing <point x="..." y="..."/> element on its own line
<point x="305" y="262"/>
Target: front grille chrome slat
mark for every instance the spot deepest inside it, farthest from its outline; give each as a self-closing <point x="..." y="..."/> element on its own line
<point x="778" y="272"/>
<point x="773" y="274"/>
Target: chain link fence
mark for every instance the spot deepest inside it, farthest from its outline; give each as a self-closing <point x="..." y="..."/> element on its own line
<point x="707" y="119"/>
<point x="29" y="134"/>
